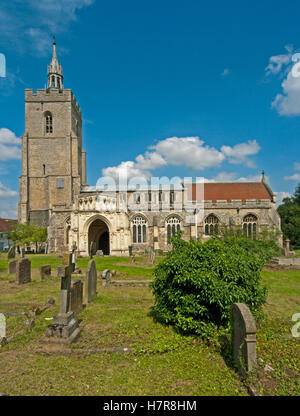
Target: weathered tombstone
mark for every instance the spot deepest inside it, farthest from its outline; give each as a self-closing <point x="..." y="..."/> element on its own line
<point x="91" y="282"/>
<point x="76" y="296"/>
<point x="11" y="253"/>
<point x="151" y="256"/>
<point x="92" y="249"/>
<point x="64" y="328"/>
<point x="45" y="271"/>
<point x="2" y="329"/>
<point x="287" y="247"/>
<point x="23" y="271"/>
<point x="243" y="337"/>
<point x="12" y="267"/>
<point x="22" y="253"/>
<point x="73" y="260"/>
<point x="99" y="253"/>
<point x="132" y="260"/>
<point x="130" y="250"/>
<point x="106" y="275"/>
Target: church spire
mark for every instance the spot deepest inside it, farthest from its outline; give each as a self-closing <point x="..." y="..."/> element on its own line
<point x="55" y="74"/>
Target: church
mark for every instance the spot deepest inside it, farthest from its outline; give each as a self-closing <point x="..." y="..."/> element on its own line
<point x="53" y="190"/>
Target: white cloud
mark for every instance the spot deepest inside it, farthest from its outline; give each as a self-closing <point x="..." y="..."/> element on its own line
<point x="225" y="72"/>
<point x="286" y="103"/>
<point x="297" y="166"/>
<point x="189" y="151"/>
<point x="280" y="196"/>
<point x="9" y="145"/>
<point x="240" y="152"/>
<point x="27" y="27"/>
<point x="224" y="177"/>
<point x="252" y="178"/>
<point x="184" y="151"/>
<point x="6" y="192"/>
<point x="277" y="62"/>
<point x="295" y="177"/>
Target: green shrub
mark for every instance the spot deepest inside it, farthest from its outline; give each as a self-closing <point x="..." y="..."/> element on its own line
<point x="196" y="283"/>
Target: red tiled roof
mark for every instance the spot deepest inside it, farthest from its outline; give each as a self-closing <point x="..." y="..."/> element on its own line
<point x="214" y="191"/>
<point x="6" y="225"/>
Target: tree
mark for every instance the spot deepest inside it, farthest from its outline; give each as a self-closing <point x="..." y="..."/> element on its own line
<point x="26" y="234"/>
<point x="289" y="213"/>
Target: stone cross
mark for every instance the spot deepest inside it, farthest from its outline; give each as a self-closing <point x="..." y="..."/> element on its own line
<point x="243" y="337"/>
<point x="65" y="273"/>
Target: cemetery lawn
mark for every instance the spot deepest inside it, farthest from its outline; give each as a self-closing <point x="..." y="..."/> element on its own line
<point x="159" y="361"/>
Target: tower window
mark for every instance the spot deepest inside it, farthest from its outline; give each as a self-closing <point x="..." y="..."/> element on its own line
<point x="60" y="183"/>
<point x="44" y="169"/>
<point x="48" y="123"/>
<point x="52" y="82"/>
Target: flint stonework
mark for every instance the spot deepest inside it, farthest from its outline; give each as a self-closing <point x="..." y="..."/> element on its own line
<point x="45" y="271"/>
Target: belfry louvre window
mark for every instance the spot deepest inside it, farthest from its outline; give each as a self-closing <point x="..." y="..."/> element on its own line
<point x="249" y="225"/>
<point x="211" y="225"/>
<point x="139" y="229"/>
<point x="48" y="123"/>
<point x="173" y="225"/>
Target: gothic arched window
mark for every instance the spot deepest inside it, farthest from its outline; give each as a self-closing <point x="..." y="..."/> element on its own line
<point x="48" y="122"/>
<point x="139" y="229"/>
<point x="249" y="225"/>
<point x="68" y="231"/>
<point x="211" y="225"/>
<point x="173" y="225"/>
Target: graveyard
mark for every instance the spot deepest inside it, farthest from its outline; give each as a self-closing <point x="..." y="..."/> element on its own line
<point x="120" y="348"/>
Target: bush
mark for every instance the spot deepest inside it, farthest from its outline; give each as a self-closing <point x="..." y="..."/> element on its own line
<point x="196" y="283"/>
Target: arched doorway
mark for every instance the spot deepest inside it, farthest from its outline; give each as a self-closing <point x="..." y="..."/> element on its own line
<point x="99" y="236"/>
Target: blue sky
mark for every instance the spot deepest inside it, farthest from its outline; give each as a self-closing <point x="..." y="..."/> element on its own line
<point x="166" y="87"/>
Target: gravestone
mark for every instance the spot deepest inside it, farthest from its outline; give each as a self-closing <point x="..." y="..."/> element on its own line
<point x="76" y="296"/>
<point x="151" y="255"/>
<point x="64" y="328"/>
<point x="106" y="275"/>
<point x="91" y="282"/>
<point x="23" y="271"/>
<point x="73" y="259"/>
<point x="243" y="337"/>
<point x="287" y="247"/>
<point x="12" y="267"/>
<point x="22" y="253"/>
<point x="11" y="253"/>
<point x="92" y="249"/>
<point x="99" y="253"/>
<point x="45" y="271"/>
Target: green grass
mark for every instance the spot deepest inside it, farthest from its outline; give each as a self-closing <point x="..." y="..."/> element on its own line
<point x="162" y="362"/>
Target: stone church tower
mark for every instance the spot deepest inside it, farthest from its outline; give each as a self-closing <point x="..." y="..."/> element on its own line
<point x="53" y="161"/>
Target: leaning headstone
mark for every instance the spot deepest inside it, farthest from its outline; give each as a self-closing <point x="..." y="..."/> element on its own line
<point x="12" y="267"/>
<point x="23" y="271"/>
<point x="151" y="255"/>
<point x="11" y="253"/>
<point x="106" y="275"/>
<point x="91" y="282"/>
<point x="243" y="337"/>
<point x="99" y="253"/>
<point x="64" y="328"/>
<point x="45" y="271"/>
